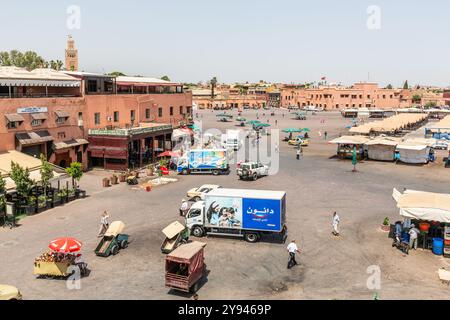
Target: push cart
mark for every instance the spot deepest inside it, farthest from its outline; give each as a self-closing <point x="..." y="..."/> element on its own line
<point x="185" y="267"/>
<point x="113" y="240"/>
<point x="176" y="234"/>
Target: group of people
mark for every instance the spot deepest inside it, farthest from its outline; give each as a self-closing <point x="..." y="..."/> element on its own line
<point x="412" y="231"/>
<point x="292" y="248"/>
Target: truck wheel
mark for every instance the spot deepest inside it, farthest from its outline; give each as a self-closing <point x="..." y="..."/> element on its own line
<point x="124" y="244"/>
<point x="184" y="172"/>
<point x="115" y="250"/>
<point x="251" y="237"/>
<point x="255" y="176"/>
<point x="195" y="287"/>
<point x="197" y="231"/>
<point x="215" y="172"/>
<point x="197" y="199"/>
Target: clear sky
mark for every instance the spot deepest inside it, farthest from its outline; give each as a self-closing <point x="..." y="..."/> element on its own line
<point x="242" y="40"/>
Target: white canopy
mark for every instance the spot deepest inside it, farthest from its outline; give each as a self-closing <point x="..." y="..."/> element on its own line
<point x="422" y="205"/>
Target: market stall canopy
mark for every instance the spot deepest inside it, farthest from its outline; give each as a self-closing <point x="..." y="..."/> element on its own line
<point x="394" y="123"/>
<point x="422" y="205"/>
<point x="65" y="245"/>
<point x="441" y="126"/>
<point x="179" y="133"/>
<point x="169" y="154"/>
<point x="350" y="140"/>
<point x="385" y="141"/>
<point x="292" y="130"/>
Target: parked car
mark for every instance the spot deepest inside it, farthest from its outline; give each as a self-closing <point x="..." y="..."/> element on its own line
<point x="252" y="170"/>
<point x="440" y="144"/>
<point x="198" y="194"/>
<point x="9" y="293"/>
<point x="299" y="141"/>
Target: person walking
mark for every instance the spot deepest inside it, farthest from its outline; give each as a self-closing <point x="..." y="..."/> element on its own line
<point x="292" y="250"/>
<point x="335" y="222"/>
<point x="413" y="235"/>
<point x="276" y="122"/>
<point x="298" y="153"/>
<point x="325" y="134"/>
<point x="184" y="208"/>
<point x="104" y="224"/>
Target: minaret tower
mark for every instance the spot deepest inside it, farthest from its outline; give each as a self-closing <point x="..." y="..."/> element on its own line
<point x="71" y="55"/>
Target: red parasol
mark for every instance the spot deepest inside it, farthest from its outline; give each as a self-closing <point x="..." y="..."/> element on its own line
<point x="169" y="154"/>
<point x="65" y="245"/>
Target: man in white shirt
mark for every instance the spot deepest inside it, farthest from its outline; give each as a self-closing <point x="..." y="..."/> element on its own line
<point x="292" y="249"/>
<point x="184" y="208"/>
<point x="413" y="235"/>
<point x="335" y="224"/>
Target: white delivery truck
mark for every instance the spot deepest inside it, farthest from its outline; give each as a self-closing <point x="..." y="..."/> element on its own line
<point x="240" y="213"/>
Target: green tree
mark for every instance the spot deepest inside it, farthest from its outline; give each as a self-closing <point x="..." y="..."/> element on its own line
<point x="213" y="84"/>
<point x="29" y="60"/>
<point x="416" y="98"/>
<point x="430" y="105"/>
<point x="21" y="177"/>
<point x="116" y="74"/>
<point x="389" y="86"/>
<point x="165" y="78"/>
<point x="55" y="64"/>
<point x="46" y="173"/>
<point x="406" y="85"/>
<point x="2" y="193"/>
<point x="75" y="171"/>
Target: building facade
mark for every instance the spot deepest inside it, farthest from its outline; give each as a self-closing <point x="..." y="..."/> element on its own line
<point x="50" y="112"/>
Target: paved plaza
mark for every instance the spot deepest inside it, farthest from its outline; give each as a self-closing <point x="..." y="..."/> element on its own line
<point x="316" y="186"/>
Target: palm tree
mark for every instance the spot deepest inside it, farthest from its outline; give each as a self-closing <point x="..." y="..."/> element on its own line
<point x="213" y="83"/>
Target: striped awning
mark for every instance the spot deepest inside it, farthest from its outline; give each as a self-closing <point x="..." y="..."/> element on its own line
<point x="14" y="117"/>
<point x="62" y="114"/>
<point x="39" y="116"/>
<point x="38" y="83"/>
<point x="28" y="138"/>
<point x="69" y="144"/>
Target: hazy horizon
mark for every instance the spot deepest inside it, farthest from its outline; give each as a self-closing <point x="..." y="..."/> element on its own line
<point x="285" y="41"/>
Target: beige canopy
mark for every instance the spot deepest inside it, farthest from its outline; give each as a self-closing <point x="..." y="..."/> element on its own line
<point x="173" y="229"/>
<point x="394" y="123"/>
<point x="423" y="205"/>
<point x="350" y="140"/>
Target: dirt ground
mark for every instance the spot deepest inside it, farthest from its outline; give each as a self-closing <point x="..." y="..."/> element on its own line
<point x="316" y="186"/>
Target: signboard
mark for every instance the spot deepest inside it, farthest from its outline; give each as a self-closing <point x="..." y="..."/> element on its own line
<point x="225" y="212"/>
<point x="208" y="159"/>
<point x="246" y="213"/>
<point x="261" y="214"/>
<point x="32" y="110"/>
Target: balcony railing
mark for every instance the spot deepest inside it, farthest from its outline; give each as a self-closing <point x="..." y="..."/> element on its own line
<point x="37" y="95"/>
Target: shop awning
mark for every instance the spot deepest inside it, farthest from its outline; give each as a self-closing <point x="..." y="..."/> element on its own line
<point x="14" y="117"/>
<point x="69" y="143"/>
<point x="39" y="116"/>
<point x="422" y="205"/>
<point x="27" y="138"/>
<point x="62" y="114"/>
<point x="38" y="83"/>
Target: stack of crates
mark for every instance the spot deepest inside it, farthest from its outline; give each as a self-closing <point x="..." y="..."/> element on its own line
<point x="447" y="240"/>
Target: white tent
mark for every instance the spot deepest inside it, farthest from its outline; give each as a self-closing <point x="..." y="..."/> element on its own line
<point x="414" y="153"/>
<point x="422" y="205"/>
<point x="382" y="149"/>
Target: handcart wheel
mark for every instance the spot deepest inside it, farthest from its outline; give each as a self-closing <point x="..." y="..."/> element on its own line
<point x="115" y="250"/>
<point x="124" y="244"/>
